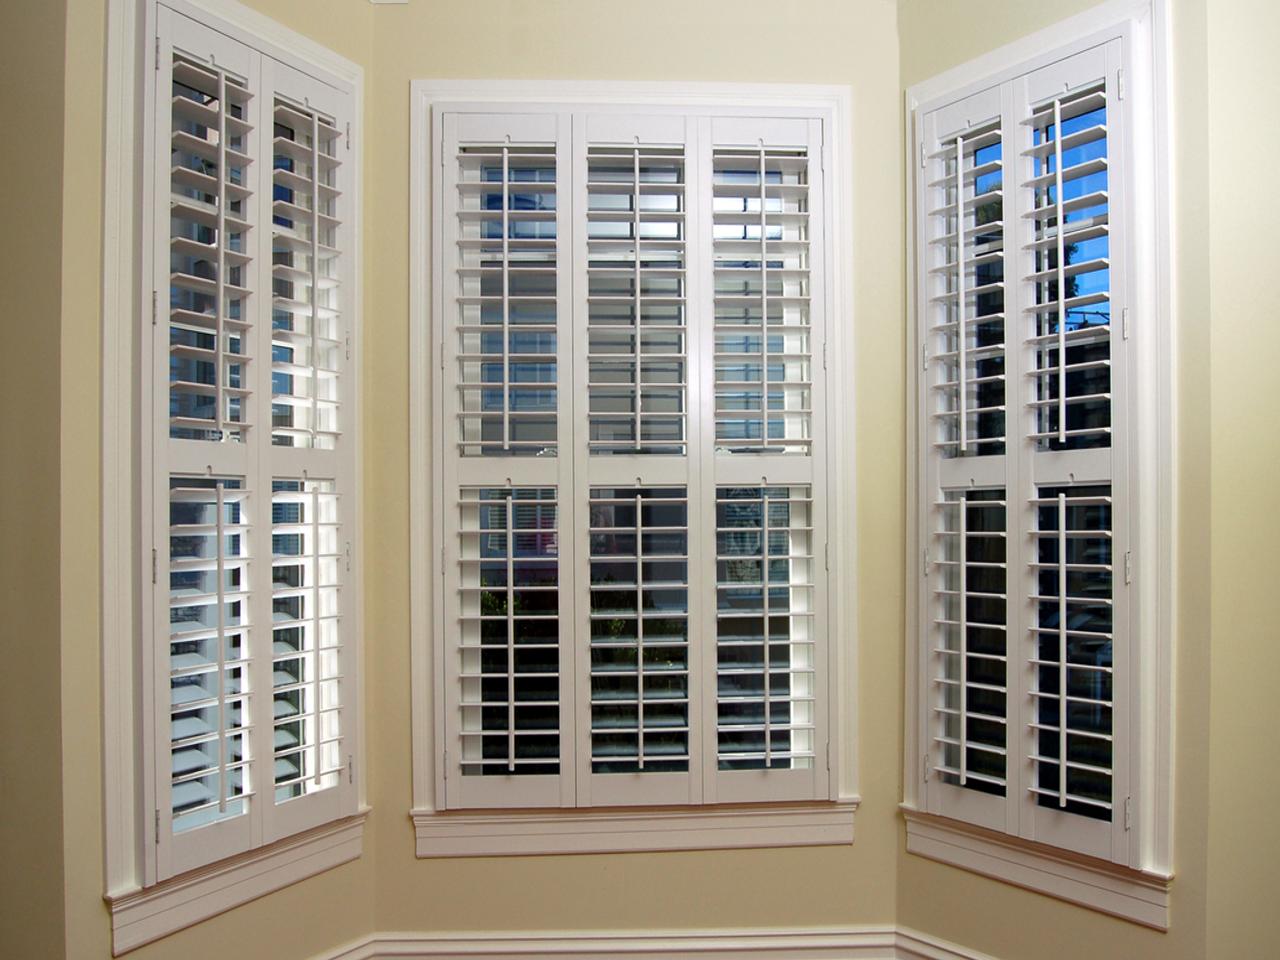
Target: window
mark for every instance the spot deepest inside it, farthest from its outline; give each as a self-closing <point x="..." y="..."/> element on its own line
<point x="247" y="728"/>
<point x="1038" y="649"/>
<point x="630" y="308"/>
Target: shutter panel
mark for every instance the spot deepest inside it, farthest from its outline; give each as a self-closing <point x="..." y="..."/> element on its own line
<point x="636" y="461"/>
<point x="250" y="456"/>
<point x="1074" y="475"/>
<point x="964" y="615"/>
<point x="506" y="652"/>
<point x="765" y="685"/>
<point x="1024" y="469"/>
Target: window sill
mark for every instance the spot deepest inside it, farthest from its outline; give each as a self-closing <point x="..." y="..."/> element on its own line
<point x="505" y="833"/>
<point x="1138" y="895"/>
<point x="141" y="915"/>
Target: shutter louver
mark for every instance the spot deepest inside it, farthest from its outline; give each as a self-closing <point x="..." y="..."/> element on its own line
<point x="306" y="641"/>
<point x="763" y="356"/>
<point x="305" y="337"/>
<point x="636" y="299"/>
<point x="210" y="224"/>
<point x="1072" y="644"/>
<point x="508" y="645"/>
<point x="764" y="628"/>
<point x="970" y="630"/>
<point x="639" y="630"/>
<point x="1071" y="309"/>
<point x="209" y="649"/>
<point x="507" y="284"/>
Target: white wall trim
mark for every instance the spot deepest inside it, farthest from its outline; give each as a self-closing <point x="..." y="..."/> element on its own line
<point x="502" y="833"/>
<point x="1138" y="895"/>
<point x="864" y="942"/>
<point x="144" y="915"/>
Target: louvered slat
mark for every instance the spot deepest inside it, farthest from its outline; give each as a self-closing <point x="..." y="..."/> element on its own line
<point x="639" y="602"/>
<point x="970" y="642"/>
<point x="306" y="641"/>
<point x="209" y="293"/>
<point x="208" y="649"/>
<point x="1071" y="307"/>
<point x="636" y="298"/>
<point x="765" y="683"/>
<point x="306" y="334"/>
<point x="763" y="349"/>
<point x="1072" y="641"/>
<point x="508" y="639"/>
<point x="506" y="299"/>
<point x="966" y="347"/>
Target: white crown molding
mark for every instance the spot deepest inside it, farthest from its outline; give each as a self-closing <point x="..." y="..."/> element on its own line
<point x="502" y="833"/>
<point x="1137" y="895"/>
<point x="144" y="915"/>
<point x="864" y="942"/>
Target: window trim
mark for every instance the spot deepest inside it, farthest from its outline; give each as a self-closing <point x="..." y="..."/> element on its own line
<point x="169" y="905"/>
<point x="1146" y="22"/>
<point x="833" y="105"/>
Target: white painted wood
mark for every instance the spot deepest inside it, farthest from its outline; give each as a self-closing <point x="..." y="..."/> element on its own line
<point x="863" y="942"/>
<point x="1138" y="895"/>
<point x="139" y="916"/>
<point x="609" y="103"/>
<point x="612" y="831"/>
<point x="132" y="58"/>
<point x="1144" y="421"/>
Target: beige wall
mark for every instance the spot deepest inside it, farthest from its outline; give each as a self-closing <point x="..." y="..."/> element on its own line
<point x="31" y="865"/>
<point x="853" y="42"/>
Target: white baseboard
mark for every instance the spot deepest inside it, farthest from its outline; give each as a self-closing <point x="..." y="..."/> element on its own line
<point x="869" y="942"/>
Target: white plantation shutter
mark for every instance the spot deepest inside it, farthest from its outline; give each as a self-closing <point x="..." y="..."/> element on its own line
<point x="1024" y="431"/>
<point x="631" y="309"/>
<point x="250" y="458"/>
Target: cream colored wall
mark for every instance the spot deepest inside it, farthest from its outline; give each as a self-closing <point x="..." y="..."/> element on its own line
<point x="31" y="863"/>
<point x="832" y="41"/>
<point x="936" y="35"/>
<point x="1244" y="779"/>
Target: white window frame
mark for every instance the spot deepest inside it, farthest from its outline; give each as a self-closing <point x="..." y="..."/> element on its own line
<point x="143" y="909"/>
<point x="487" y="833"/>
<point x="1138" y="888"/>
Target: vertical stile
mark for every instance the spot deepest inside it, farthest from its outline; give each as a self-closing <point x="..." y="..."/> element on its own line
<point x="962" y="333"/>
<point x="1062" y="643"/>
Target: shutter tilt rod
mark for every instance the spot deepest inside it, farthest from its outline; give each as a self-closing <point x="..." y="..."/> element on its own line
<point x="509" y="511"/>
<point x="315" y="280"/>
<point x="315" y="614"/>
<point x="639" y="526"/>
<point x="1062" y="649"/>
<point x="506" y="303"/>
<point x="219" y="505"/>
<point x="1062" y="292"/>
<point x="635" y="345"/>
<point x="764" y="333"/>
<point x="961" y="332"/>
<point x="964" y="638"/>
<point x="768" y="705"/>
<point x="220" y="291"/>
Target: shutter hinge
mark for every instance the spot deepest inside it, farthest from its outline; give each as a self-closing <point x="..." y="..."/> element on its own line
<point x="348" y="552"/>
<point x="157" y="823"/>
<point x="154" y="561"/>
<point x="348" y="134"/>
<point x="1124" y="323"/>
<point x="1128" y="566"/>
<point x="155" y="307"/>
<point x="1120" y="84"/>
<point x="826" y="555"/>
<point x="924" y="356"/>
<point x="157" y="51"/>
<point x="1128" y="813"/>
<point x="441" y="351"/>
<point x="442" y="561"/>
<point x="924" y="561"/>
<point x="348" y="340"/>
<point x="922" y="161"/>
<point x="446" y="764"/>
<point x="351" y="776"/>
<point x="828" y="755"/>
<point x="824" y="354"/>
<point x="926" y="766"/>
